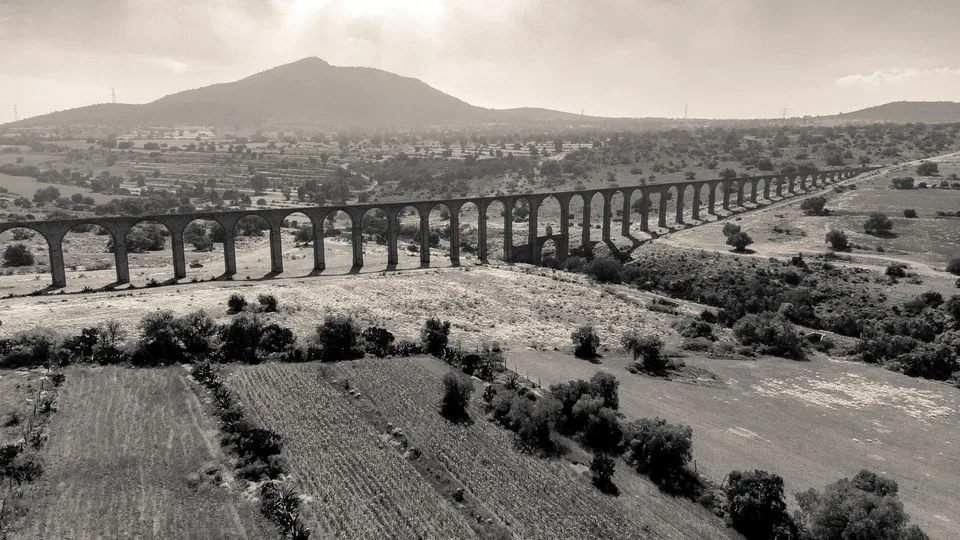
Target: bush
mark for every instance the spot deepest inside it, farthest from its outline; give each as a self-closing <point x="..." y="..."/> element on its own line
<point x="931" y="361"/>
<point x="866" y="507"/>
<point x="649" y="348"/>
<point x="28" y="349"/>
<point x="339" y="338"/>
<point x="268" y="302"/>
<point x="896" y="270"/>
<point x="277" y="339"/>
<point x="902" y="183"/>
<point x="605" y="270"/>
<point x="814" y="206"/>
<point x="927" y="168"/>
<point x="878" y="223"/>
<point x="755" y="506"/>
<point x="658" y="449"/>
<point x="909" y="213"/>
<point x="692" y="327"/>
<point x="236" y="303"/>
<point x="242" y="339"/>
<point x="574" y="264"/>
<point x="837" y="240"/>
<point x="457" y="389"/>
<point x="17" y="255"/>
<point x="377" y="341"/>
<point x="954" y="266"/>
<point x="730" y="229"/>
<point x="602" y="468"/>
<point x="586" y="341"/>
<point x="770" y="333"/>
<point x="435" y="335"/>
<point x="739" y="241"/>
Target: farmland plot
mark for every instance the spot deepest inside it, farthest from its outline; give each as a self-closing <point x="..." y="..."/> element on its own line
<point x="355" y="484"/>
<point x="132" y="455"/>
<point x="533" y="497"/>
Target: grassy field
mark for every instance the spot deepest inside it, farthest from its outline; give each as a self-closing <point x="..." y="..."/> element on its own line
<point x="18" y="393"/>
<point x="811" y="422"/>
<point x="355" y="484"/>
<point x="131" y="454"/>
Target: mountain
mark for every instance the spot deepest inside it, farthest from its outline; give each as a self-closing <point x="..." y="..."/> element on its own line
<point x="901" y="112"/>
<point x="306" y="92"/>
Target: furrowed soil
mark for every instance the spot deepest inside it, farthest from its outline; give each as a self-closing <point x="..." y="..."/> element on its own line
<point x="131" y="454"/>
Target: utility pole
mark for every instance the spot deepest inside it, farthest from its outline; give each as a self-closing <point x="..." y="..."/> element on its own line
<point x="783" y="111"/>
<point x="113" y="94"/>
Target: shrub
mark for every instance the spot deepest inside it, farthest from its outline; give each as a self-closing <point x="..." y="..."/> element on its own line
<point x="649" y="348"/>
<point x="435" y="335"/>
<point x="605" y="270"/>
<point x="877" y="223"/>
<point x="602" y="468"/>
<point x="277" y="339"/>
<point x="755" y="506"/>
<point x="931" y="361"/>
<point x="22" y="468"/>
<point x="606" y="386"/>
<point x="534" y="421"/>
<point x="770" y="333"/>
<point x="909" y="213"/>
<point x="837" y="240"/>
<point x="927" y="168"/>
<point x="601" y="429"/>
<point x="586" y="341"/>
<point x="865" y="507"/>
<point x="29" y="349"/>
<point x="574" y="264"/>
<point x="658" y="449"/>
<point x="896" y="270"/>
<point x="339" y="338"/>
<point x="268" y="302"/>
<point x="377" y="341"/>
<point x="953" y="307"/>
<point x="814" y="206"/>
<point x="739" y="241"/>
<point x="236" y="303"/>
<point x="902" y="183"/>
<point x="457" y="389"/>
<point x="954" y="266"/>
<point x="730" y="229"/>
<point x="241" y="340"/>
<point x="692" y="327"/>
<point x="17" y="255"/>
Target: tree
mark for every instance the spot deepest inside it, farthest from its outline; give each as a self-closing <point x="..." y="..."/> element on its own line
<point x="739" y="241"/>
<point x="236" y="303"/>
<point x="837" y="239"/>
<point x="755" y="506"/>
<point x="877" y="223"/>
<point x="304" y="235"/>
<point x="954" y="266"/>
<point x="602" y="468"/>
<point x="586" y="341"/>
<point x="457" y="389"/>
<point x="658" y="449"/>
<point x="17" y="255"/>
<point x="259" y="183"/>
<point x="730" y="229"/>
<point x="814" y="206"/>
<point x="728" y="174"/>
<point x="909" y="213"/>
<point x="863" y="508"/>
<point x="435" y="335"/>
<point x="339" y="337"/>
<point x="770" y="333"/>
<point x="646" y="347"/>
<point x="927" y="168"/>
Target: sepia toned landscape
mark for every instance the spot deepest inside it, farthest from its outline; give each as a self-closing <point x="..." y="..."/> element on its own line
<point x="292" y="297"/>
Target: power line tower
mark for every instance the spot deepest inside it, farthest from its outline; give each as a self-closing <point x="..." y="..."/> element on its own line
<point x="113" y="94"/>
<point x="15" y="115"/>
<point x="685" y="111"/>
<point x="783" y="112"/>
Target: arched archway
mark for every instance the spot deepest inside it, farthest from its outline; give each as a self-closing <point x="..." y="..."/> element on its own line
<point x="494" y="216"/>
<point x="252" y="244"/>
<point x="337" y="242"/>
<point x="410" y="237"/>
<point x="149" y="249"/>
<point x="441" y="222"/>
<point x="374" y="232"/>
<point x="296" y="244"/>
<point x="468" y="220"/>
<point x="87" y="257"/>
<point x="25" y="253"/>
<point x="203" y="249"/>
<point x="521" y="224"/>
<point x="549" y="253"/>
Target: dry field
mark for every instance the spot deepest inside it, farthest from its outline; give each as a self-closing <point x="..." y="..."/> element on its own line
<point x="355" y="484"/>
<point x="18" y="394"/>
<point x="811" y="422"/>
<point x="533" y="497"/>
<point x="132" y="454"/>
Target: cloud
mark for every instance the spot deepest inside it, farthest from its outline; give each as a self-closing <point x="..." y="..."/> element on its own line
<point x="900" y="76"/>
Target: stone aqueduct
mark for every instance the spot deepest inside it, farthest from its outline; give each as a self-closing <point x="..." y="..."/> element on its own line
<point x="118" y="227"/>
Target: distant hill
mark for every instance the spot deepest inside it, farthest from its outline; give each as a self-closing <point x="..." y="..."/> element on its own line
<point x="901" y="112"/>
<point x="306" y="92"/>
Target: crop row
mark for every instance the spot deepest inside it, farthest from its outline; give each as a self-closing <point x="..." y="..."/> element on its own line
<point x="355" y="484"/>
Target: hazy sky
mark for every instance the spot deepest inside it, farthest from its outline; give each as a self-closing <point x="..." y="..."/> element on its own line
<point x="722" y="58"/>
